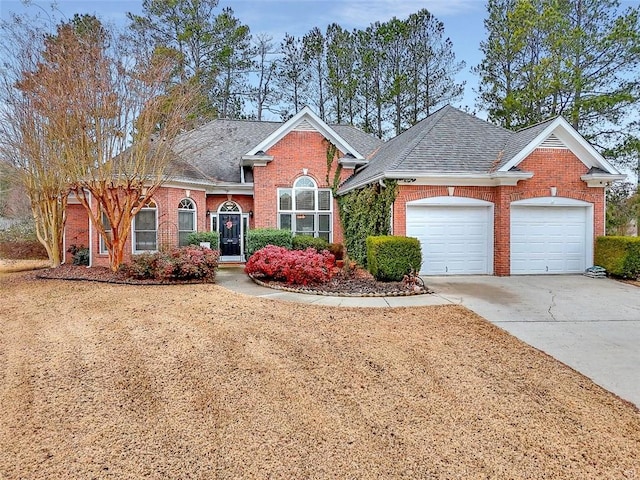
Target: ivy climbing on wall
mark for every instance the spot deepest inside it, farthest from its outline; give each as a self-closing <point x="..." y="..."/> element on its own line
<point x="363" y="212"/>
<point x="366" y="212"/>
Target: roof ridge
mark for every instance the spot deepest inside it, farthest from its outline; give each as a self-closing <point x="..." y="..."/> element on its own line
<point x="542" y="122"/>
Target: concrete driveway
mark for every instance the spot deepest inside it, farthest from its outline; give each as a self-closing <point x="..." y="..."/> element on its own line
<point x="592" y="325"/>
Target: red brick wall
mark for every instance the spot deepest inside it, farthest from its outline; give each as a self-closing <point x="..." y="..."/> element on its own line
<point x="295" y="152"/>
<point x="551" y="168"/>
<point x="76" y="229"/>
<point x="167" y="200"/>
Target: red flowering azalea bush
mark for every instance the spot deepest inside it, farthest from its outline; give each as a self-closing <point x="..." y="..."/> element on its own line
<point x="295" y="267"/>
<point x="183" y="263"/>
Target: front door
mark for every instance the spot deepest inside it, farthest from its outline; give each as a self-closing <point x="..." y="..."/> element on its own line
<point x="229" y="228"/>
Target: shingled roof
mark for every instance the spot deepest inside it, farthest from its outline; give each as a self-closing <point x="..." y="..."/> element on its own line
<point x="448" y="142"/>
<point x="216" y="148"/>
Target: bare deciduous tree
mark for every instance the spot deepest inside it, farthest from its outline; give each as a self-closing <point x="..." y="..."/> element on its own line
<point x="109" y="121"/>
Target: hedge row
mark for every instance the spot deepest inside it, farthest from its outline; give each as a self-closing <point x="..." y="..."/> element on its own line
<point x="619" y="255"/>
<point x="261" y="237"/>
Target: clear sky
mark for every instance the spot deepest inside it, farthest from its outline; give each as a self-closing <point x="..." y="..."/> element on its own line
<point x="463" y="19"/>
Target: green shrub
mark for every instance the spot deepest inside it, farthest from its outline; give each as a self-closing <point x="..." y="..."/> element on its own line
<point x="302" y="242"/>
<point x="261" y="237"/>
<point x="619" y="255"/>
<point x="390" y="258"/>
<point x="212" y="237"/>
<point x="80" y="254"/>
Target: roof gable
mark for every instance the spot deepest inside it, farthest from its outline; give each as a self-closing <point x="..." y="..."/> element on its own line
<point x="555" y="133"/>
<point x="306" y="120"/>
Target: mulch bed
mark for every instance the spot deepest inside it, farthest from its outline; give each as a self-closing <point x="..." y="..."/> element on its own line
<point x="354" y="283"/>
<point x="357" y="283"/>
<point x="101" y="274"/>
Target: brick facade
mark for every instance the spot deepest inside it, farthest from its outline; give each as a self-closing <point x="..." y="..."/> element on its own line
<point x="305" y="153"/>
<point x="294" y="154"/>
<point x="558" y="168"/>
<point x="76" y="229"/>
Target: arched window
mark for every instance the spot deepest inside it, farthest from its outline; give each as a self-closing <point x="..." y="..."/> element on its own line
<point x="145" y="229"/>
<point x="305" y="209"/>
<point x="186" y="220"/>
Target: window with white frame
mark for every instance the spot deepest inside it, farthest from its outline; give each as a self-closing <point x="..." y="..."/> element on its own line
<point x="305" y="209"/>
<point x="186" y="220"/>
<point x="107" y="230"/>
<point x="145" y="229"/>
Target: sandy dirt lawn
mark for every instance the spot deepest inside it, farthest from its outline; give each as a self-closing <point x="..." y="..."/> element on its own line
<point x="194" y="381"/>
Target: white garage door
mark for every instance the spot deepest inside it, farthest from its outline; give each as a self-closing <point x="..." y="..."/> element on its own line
<point x="549" y="239"/>
<point x="455" y="239"/>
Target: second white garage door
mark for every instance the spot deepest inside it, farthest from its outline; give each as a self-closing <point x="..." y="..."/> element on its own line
<point x="456" y="235"/>
<point x="550" y="238"/>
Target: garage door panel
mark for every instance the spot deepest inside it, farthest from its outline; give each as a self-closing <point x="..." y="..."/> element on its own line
<point x="548" y="239"/>
<point x="454" y="240"/>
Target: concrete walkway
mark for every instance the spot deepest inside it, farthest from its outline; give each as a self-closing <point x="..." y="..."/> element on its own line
<point x="234" y="279"/>
<point x="592" y="325"/>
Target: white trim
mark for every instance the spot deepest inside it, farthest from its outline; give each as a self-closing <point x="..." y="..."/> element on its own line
<point x="194" y="212"/>
<point x="306" y="115"/>
<point x="600" y="180"/>
<point x="231" y="189"/>
<point x="90" y="230"/>
<point x="134" y="251"/>
<point x="574" y="142"/>
<point x="242" y="215"/>
<point x="451" y="201"/>
<point x="445" y="179"/>
<point x="550" y="202"/>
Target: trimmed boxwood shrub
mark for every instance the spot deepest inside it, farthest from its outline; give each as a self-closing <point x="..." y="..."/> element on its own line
<point x="261" y="237"/>
<point x="302" y="242"/>
<point x="295" y="267"/>
<point x="619" y="255"/>
<point x="390" y="258"/>
<point x="212" y="237"/>
<point x="181" y="263"/>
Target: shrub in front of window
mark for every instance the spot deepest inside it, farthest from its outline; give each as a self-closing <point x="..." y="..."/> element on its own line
<point x="390" y="258"/>
<point x="212" y="237"/>
<point x="302" y="242"/>
<point x="295" y="267"/>
<point x="261" y="237"/>
<point x="178" y="264"/>
<point x="620" y="256"/>
<point x="80" y="254"/>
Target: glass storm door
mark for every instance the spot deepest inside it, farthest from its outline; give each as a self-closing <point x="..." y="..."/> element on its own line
<point x="229" y="229"/>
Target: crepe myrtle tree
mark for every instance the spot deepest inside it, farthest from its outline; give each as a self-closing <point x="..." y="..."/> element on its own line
<point x="113" y="118"/>
<point x="29" y="147"/>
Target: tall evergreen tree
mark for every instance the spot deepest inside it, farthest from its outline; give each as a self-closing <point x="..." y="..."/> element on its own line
<point x="316" y="56"/>
<point x="431" y="67"/>
<point x="577" y="58"/>
<point x="232" y="61"/>
<point x="293" y="76"/>
<point x="264" y="94"/>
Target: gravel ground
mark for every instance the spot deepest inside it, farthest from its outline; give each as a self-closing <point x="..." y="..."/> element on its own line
<point x="193" y="381"/>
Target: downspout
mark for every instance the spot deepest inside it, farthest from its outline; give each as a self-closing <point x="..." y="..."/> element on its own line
<point x="381" y="183"/>
<point x="90" y="232"/>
